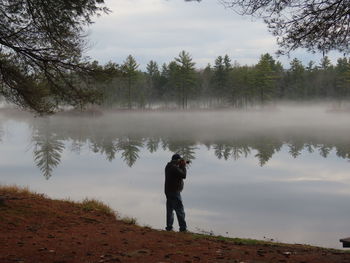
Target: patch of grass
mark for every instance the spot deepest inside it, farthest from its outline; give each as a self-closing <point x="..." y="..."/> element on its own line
<point x="240" y="241"/>
<point x="255" y="242"/>
<point x="95" y="205"/>
<point x="19" y="190"/>
<point x="129" y="220"/>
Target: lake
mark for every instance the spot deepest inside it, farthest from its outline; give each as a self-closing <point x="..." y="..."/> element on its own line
<point x="280" y="174"/>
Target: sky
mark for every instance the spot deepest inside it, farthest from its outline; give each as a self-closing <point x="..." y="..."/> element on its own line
<point x="160" y="29"/>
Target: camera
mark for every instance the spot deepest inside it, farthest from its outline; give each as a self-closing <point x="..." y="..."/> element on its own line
<point x="184" y="162"/>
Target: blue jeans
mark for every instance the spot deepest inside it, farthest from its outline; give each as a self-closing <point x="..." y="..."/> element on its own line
<point x="174" y="202"/>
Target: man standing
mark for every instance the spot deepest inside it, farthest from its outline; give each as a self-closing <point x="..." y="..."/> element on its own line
<point x="175" y="172"/>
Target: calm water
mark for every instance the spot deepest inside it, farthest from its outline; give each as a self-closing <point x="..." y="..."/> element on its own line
<point x="279" y="174"/>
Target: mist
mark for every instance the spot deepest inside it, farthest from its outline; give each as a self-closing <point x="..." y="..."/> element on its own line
<point x="316" y="120"/>
<point x="229" y="133"/>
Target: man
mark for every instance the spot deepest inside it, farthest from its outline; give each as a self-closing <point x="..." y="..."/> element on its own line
<point x="175" y="172"/>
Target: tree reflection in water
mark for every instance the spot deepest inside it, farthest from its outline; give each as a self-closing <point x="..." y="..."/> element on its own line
<point x="130" y="148"/>
<point x="51" y="136"/>
<point x="48" y="148"/>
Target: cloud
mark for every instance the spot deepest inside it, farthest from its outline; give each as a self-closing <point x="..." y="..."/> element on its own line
<point x="160" y="29"/>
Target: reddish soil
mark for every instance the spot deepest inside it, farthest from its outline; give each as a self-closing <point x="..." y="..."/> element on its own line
<point x="38" y="229"/>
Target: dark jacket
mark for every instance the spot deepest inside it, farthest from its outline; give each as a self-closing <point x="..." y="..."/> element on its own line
<point x="174" y="176"/>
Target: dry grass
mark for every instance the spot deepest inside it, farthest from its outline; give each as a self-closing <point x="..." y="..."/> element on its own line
<point x="6" y="190"/>
<point x="87" y="204"/>
<point x="95" y="205"/>
<point x="129" y="220"/>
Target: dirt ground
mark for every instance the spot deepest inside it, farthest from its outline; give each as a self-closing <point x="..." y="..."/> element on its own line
<point x="39" y="230"/>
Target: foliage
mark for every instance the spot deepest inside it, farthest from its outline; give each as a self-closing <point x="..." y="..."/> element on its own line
<point x="41" y="44"/>
<point x="317" y="25"/>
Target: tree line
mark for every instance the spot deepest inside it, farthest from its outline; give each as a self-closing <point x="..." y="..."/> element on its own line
<point x="48" y="148"/>
<point x="50" y="139"/>
<point x="179" y="84"/>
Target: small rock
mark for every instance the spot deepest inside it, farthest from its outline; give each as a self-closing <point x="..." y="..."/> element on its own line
<point x="2" y="200"/>
<point x="139" y="252"/>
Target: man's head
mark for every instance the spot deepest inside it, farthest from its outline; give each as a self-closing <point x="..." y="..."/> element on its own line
<point x="176" y="157"/>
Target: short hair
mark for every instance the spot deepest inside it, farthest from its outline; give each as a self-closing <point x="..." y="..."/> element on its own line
<point x="176" y="156"/>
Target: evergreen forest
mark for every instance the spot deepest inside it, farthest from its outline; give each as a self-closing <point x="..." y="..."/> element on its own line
<point x="224" y="84"/>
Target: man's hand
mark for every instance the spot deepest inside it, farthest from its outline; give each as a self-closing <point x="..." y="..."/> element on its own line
<point x="182" y="163"/>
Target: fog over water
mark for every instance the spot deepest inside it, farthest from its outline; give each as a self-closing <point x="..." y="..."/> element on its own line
<point x="278" y="173"/>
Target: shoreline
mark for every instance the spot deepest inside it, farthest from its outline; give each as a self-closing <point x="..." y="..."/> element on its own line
<point x="36" y="228"/>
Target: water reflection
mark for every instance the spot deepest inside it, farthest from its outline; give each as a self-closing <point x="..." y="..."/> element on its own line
<point x="47" y="151"/>
<point x="48" y="147"/>
<point x="51" y="136"/>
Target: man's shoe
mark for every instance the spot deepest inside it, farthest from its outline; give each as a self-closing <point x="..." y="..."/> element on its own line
<point x="183" y="230"/>
<point x="169" y="229"/>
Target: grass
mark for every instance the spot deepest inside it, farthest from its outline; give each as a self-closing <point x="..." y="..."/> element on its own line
<point x="87" y="204"/>
<point x="14" y="189"/>
<point x="129" y="220"/>
<point x="238" y="241"/>
<point x="95" y="205"/>
<point x="255" y="242"/>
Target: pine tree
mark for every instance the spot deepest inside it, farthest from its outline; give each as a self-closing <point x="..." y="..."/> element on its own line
<point x="265" y="78"/>
<point x="129" y="69"/>
<point x="186" y="77"/>
<point x="296" y="79"/>
<point x="153" y="77"/>
<point x="342" y="78"/>
<point x="220" y="78"/>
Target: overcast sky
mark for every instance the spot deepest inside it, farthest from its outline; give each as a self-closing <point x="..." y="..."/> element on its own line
<point x="159" y="29"/>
